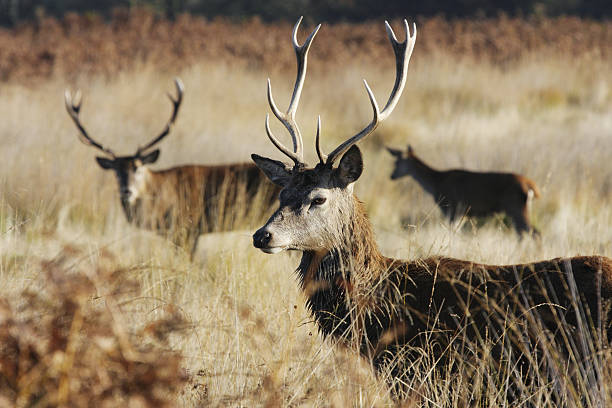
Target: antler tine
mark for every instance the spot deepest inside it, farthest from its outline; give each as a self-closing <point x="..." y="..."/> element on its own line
<point x="322" y="156"/>
<point x="402" y="52"/>
<point x="73" y="107"/>
<point x="176" y="103"/>
<point x="288" y="118"/>
<point x="293" y="156"/>
<point x="301" y="53"/>
<point x="363" y="133"/>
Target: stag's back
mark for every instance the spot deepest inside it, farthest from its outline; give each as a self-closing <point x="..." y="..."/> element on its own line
<point x="237" y="196"/>
<point x="485" y="193"/>
<point x="435" y="301"/>
<point x="213" y="198"/>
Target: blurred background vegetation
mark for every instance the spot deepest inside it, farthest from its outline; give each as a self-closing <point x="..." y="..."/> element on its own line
<point x="14" y="11"/>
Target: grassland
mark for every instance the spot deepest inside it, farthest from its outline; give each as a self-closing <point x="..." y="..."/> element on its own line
<point x="526" y="101"/>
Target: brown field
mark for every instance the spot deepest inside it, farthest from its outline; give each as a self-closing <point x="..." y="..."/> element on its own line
<point x="80" y="46"/>
<point x="95" y="300"/>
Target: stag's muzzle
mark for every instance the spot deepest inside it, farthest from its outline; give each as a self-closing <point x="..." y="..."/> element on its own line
<point x="262" y="239"/>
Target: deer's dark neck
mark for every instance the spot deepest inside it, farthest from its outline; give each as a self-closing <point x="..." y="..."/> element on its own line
<point x="426" y="176"/>
<point x="131" y="210"/>
<point x="331" y="278"/>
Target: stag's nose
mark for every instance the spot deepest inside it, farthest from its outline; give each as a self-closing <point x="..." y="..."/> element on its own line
<point x="261" y="238"/>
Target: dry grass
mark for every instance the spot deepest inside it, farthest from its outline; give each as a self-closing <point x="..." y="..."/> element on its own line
<point x="247" y="339"/>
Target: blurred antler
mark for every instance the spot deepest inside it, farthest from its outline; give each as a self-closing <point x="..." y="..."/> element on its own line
<point x="176" y="105"/>
<point x="73" y="106"/>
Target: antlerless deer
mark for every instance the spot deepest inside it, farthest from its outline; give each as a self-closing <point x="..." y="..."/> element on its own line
<point x="460" y="191"/>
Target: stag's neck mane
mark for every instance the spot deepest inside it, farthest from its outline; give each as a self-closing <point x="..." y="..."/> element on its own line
<point x="332" y="279"/>
<point x="356" y="254"/>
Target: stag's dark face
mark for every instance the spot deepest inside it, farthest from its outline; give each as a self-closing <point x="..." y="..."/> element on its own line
<point x="405" y="162"/>
<point x="315" y="204"/>
<point x="130" y="172"/>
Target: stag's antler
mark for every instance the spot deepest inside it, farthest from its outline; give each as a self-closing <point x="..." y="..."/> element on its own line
<point x="176" y="105"/>
<point x="288" y="119"/>
<point x="402" y="51"/>
<point x="73" y="106"/>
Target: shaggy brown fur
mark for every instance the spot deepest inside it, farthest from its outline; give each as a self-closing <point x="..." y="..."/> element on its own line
<point x="186" y="201"/>
<point x="384" y="306"/>
<point x="480" y="194"/>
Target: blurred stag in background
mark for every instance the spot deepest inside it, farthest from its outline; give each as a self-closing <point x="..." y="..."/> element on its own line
<point x="180" y="202"/>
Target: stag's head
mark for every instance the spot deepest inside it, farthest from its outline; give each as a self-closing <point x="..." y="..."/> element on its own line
<point x="317" y="203"/>
<point x="405" y="162"/>
<point x="128" y="169"/>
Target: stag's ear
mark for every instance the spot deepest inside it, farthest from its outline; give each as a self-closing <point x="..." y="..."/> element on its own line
<point x="105" y="163"/>
<point x="394" y="152"/>
<point x="151" y="157"/>
<point x="350" y="167"/>
<point x="276" y="171"/>
<point x="410" y="150"/>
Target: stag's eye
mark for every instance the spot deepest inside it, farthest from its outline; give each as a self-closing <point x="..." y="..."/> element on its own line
<point x="318" y="201"/>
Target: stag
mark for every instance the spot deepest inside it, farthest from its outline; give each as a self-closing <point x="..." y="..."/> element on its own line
<point x="479" y="194"/>
<point x="181" y="202"/>
<point x="387" y="308"/>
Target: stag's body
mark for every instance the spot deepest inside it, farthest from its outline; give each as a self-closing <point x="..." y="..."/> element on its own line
<point x="387" y="308"/>
<point x="458" y="191"/>
<point x="380" y="305"/>
<point x="182" y="202"/>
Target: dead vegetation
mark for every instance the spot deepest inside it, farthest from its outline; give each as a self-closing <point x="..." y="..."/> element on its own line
<point x="69" y="344"/>
<point x="504" y="94"/>
<point x="84" y="45"/>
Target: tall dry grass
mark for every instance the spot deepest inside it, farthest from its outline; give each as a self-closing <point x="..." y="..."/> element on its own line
<point x="249" y="340"/>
